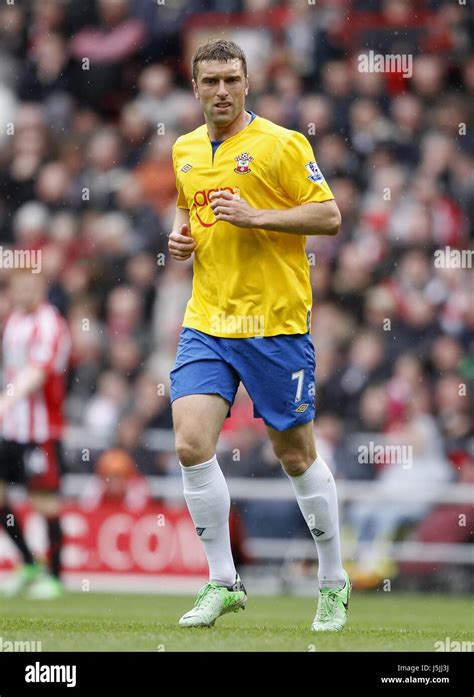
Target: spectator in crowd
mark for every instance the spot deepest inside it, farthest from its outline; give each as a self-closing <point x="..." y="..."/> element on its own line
<point x="116" y="482"/>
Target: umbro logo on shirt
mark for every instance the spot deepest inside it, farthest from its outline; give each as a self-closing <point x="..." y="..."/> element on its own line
<point x="186" y="168"/>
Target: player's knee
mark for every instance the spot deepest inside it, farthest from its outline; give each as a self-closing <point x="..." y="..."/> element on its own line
<point x="193" y="449"/>
<point x="293" y="460"/>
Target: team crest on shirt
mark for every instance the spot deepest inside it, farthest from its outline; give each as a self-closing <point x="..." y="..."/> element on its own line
<point x="315" y="174"/>
<point x="243" y="163"/>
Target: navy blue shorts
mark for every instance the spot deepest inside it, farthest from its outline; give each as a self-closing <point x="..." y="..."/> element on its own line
<point x="278" y="372"/>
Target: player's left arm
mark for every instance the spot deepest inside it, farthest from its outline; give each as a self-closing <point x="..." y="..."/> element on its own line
<point x="312" y="209"/>
<point x="28" y="381"/>
<point x="315" y="218"/>
<point x="40" y="363"/>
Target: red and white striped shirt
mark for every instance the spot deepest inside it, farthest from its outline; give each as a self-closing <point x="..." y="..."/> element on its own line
<point x="42" y="339"/>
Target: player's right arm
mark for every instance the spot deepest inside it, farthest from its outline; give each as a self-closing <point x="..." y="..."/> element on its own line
<point x="181" y="243"/>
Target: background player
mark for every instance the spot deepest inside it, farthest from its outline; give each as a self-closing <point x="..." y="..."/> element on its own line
<point x="249" y="319"/>
<point x="36" y="348"/>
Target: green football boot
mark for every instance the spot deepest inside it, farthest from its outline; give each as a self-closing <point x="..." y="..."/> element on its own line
<point x="46" y="587"/>
<point x="213" y="601"/>
<point x="21" y="579"/>
<point x="333" y="603"/>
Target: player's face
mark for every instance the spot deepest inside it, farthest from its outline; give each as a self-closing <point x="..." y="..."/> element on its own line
<point x="221" y="88"/>
<point x="27" y="291"/>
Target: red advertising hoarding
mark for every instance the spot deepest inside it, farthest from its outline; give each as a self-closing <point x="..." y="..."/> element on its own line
<point x="111" y="547"/>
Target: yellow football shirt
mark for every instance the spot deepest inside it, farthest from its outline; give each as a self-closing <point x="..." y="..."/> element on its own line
<point x="248" y="281"/>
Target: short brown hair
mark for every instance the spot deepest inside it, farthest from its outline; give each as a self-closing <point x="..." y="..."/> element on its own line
<point x="219" y="50"/>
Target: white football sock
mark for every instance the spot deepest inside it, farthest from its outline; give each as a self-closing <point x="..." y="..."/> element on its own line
<point x="207" y="496"/>
<point x="316" y="494"/>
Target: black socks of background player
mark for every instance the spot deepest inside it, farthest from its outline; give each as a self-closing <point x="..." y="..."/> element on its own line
<point x="9" y="521"/>
<point x="55" y="536"/>
<point x="12" y="527"/>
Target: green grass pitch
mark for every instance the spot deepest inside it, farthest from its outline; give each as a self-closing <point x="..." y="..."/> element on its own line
<point x="118" y="622"/>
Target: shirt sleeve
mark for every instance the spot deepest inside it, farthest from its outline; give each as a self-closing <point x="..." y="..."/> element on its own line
<point x="181" y="202"/>
<point x="299" y="175"/>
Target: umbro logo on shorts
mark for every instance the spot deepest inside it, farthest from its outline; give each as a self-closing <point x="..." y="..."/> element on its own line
<point x="186" y="168"/>
<point x="302" y="408"/>
<point x="316" y="532"/>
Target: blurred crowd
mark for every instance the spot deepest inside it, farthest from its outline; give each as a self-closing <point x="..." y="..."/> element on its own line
<point x="98" y="91"/>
